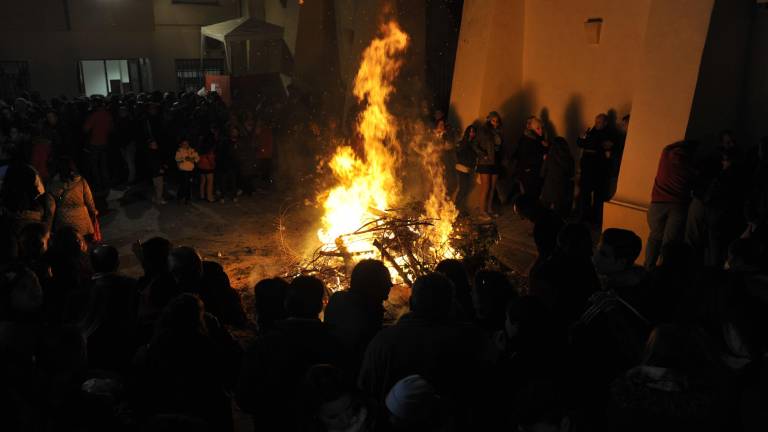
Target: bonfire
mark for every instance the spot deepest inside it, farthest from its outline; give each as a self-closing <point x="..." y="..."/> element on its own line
<point x="365" y="215"/>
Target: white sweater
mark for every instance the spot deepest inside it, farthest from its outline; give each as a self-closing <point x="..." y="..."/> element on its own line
<point x="186" y="158"/>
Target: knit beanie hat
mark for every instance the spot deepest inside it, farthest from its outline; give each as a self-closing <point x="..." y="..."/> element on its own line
<point x="412" y="399"/>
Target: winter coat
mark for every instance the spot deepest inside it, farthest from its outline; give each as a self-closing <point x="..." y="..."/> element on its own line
<point x="530" y="154"/>
<point x="186" y="158"/>
<point x="486" y="155"/>
<point x="467" y="152"/>
<point x="74" y="205"/>
<point x="99" y="126"/>
<point x="558" y="171"/>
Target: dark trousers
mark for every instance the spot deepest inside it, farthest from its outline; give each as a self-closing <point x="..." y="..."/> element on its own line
<point x="531" y="181"/>
<point x="593" y="185"/>
<point x="227" y="179"/>
<point x="666" y="223"/>
<point x="185" y="185"/>
<point x="98" y="168"/>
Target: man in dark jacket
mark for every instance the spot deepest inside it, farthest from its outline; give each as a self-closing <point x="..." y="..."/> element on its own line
<point x="276" y="363"/>
<point x="596" y="144"/>
<point x="670" y="198"/>
<point x="357" y="314"/>
<point x="530" y="154"/>
<point x="427" y="342"/>
<point x="557" y="175"/>
<point x="715" y="216"/>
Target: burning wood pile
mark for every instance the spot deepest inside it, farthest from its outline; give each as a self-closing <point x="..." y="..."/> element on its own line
<point x="399" y="238"/>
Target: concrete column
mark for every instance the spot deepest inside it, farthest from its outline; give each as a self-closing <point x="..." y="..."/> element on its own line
<point x="688" y="85"/>
<point x="489" y="58"/>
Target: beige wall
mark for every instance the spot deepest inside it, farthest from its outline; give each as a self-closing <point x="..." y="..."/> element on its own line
<point x="488" y="71"/>
<point x="570" y="81"/>
<point x="664" y="90"/>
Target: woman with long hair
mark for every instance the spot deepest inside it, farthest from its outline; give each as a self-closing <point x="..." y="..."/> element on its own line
<point x="487" y="168"/>
<point x="466" y="159"/>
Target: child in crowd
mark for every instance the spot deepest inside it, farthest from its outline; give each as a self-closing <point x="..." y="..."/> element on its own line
<point x="186" y="158"/>
<point x="157" y="169"/>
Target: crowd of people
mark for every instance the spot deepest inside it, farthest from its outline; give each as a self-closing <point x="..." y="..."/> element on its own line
<point x="592" y="342"/>
<point x="540" y="166"/>
<point x="156" y="139"/>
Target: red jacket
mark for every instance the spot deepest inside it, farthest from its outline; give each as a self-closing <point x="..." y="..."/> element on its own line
<point x="675" y="175"/>
<point x="207" y="161"/>
<point x="99" y="126"/>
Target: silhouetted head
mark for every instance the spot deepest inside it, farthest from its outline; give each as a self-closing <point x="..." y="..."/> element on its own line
<point x="155" y="253"/>
<point x="184" y="314"/>
<point x="534" y="125"/>
<point x="269" y="301"/>
<point x="331" y="399"/>
<point x="67" y="168"/>
<point x="186" y="266"/>
<point x="432" y="297"/>
<point x="371" y="278"/>
<point x="413" y="404"/>
<point x="617" y="251"/>
<point x="492" y="291"/>
<point x="494" y="119"/>
<point x="455" y="271"/>
<point x="105" y="259"/>
<point x="601" y="121"/>
<point x="727" y="140"/>
<point x="304" y="297"/>
<point x="469" y="133"/>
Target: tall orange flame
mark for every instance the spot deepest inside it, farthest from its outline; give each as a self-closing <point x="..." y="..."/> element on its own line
<point x="368" y="185"/>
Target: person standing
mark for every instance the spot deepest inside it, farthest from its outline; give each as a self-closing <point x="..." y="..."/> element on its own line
<point x="670" y="198"/>
<point x="494" y="125"/>
<point x="206" y="165"/>
<point x="98" y="128"/>
<point x="530" y="155"/>
<point x="557" y="174"/>
<point x="596" y="144"/>
<point x="186" y="158"/>
<point x="466" y="159"/>
<point x="157" y="168"/>
<point x="486" y="169"/>
<point x="75" y="206"/>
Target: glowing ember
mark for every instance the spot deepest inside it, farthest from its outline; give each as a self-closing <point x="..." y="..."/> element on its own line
<point x="367" y="184"/>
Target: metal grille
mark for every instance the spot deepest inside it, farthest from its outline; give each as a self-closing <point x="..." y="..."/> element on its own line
<point x="190" y="73"/>
<point x="14" y="78"/>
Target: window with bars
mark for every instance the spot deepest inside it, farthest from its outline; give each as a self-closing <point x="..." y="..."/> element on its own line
<point x="14" y="78"/>
<point x="190" y="73"/>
